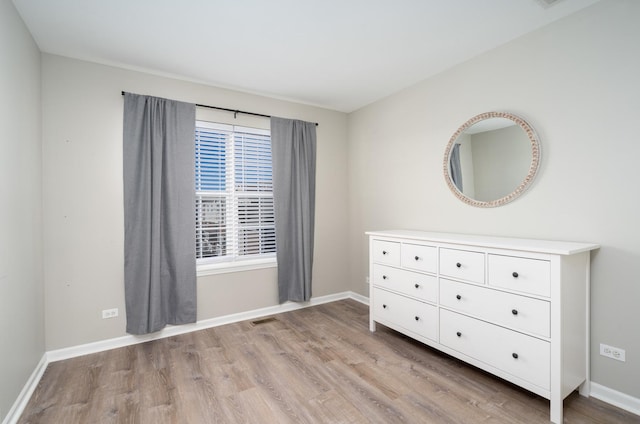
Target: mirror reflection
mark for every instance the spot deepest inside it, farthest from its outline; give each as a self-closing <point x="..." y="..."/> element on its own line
<point x="491" y="159"/>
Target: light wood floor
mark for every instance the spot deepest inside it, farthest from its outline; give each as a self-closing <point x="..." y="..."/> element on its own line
<point x="315" y="365"/>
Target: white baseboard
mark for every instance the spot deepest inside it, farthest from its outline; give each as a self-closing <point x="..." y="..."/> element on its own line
<point x="358" y="297"/>
<point x="100" y="346"/>
<point x="23" y="398"/>
<point x="71" y="352"/>
<point x="598" y="391"/>
<point x="615" y="398"/>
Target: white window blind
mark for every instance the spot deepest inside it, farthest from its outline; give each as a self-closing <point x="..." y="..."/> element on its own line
<point x="234" y="194"/>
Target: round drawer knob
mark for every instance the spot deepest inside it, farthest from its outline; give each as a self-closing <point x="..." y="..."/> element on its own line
<point x="514" y="311"/>
<point x="458" y="297"/>
<point x="417" y="318"/>
<point x="515" y="355"/>
<point x="515" y="274"/>
<point x="458" y="264"/>
<point x="417" y="258"/>
<point x="459" y="334"/>
<point x="384" y="252"/>
<point x="384" y="277"/>
<point x="417" y="286"/>
<point x="384" y="306"/>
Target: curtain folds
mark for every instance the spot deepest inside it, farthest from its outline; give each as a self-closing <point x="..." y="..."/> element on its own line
<point x="293" y="145"/>
<point x="455" y="168"/>
<point x="159" y="213"/>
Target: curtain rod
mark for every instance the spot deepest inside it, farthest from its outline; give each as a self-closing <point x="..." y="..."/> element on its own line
<point x="235" y="111"/>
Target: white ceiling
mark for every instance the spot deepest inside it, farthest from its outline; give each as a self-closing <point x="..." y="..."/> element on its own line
<point x="338" y="54"/>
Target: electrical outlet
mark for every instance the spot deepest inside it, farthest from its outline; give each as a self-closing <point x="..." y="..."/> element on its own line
<point x="109" y="313"/>
<point x="612" y="352"/>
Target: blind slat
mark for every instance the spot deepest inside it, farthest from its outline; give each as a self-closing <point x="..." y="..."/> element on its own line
<point x="234" y="193"/>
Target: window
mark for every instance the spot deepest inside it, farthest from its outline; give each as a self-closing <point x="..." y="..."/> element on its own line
<point x="234" y="195"/>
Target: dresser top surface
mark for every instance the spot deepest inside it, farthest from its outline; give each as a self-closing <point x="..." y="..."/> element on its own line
<point x="528" y="245"/>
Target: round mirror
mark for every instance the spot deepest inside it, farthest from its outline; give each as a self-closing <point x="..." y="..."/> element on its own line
<point x="491" y="159"/>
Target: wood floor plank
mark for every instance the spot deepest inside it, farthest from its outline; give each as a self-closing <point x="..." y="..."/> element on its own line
<point x="367" y="399"/>
<point x="331" y="407"/>
<point x="314" y="365"/>
<point x="253" y="405"/>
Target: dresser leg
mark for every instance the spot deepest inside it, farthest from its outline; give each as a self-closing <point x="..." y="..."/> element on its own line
<point x="556" y="410"/>
<point x="372" y="326"/>
<point x="585" y="388"/>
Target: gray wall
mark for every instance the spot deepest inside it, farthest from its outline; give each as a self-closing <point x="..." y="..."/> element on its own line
<point x="576" y="82"/>
<point x="501" y="161"/>
<point x="21" y="287"/>
<point x="82" y="172"/>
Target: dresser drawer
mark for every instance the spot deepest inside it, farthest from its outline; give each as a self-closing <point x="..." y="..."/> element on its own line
<point x="520" y="274"/>
<point x="386" y="252"/>
<point x="506" y="309"/>
<point x="522" y="356"/>
<point x="414" y="284"/>
<point x="462" y="264"/>
<point x="412" y="315"/>
<point x="419" y="257"/>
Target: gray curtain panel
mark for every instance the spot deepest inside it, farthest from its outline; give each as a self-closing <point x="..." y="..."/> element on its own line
<point x="454" y="166"/>
<point x="293" y="145"/>
<point x="159" y="213"/>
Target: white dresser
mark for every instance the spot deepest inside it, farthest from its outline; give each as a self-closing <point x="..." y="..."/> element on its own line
<point x="513" y="307"/>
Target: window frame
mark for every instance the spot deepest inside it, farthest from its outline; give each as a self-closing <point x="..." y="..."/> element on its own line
<point x="234" y="263"/>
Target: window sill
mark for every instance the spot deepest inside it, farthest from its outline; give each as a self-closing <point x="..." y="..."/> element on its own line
<point x="239" y="266"/>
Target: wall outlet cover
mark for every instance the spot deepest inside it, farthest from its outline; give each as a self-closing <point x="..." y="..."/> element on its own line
<point x="612" y="352"/>
<point x="109" y="313"/>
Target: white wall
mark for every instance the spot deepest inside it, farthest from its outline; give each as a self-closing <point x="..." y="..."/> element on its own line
<point x="21" y="282"/>
<point x="83" y="236"/>
<point x="576" y="82"/>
